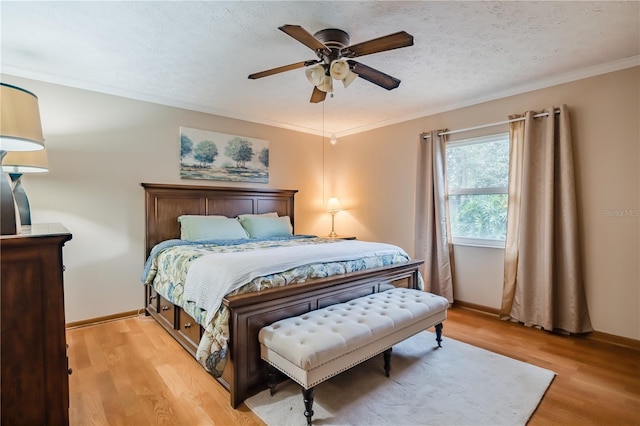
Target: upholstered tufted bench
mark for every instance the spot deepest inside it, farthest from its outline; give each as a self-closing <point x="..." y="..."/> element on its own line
<point x="320" y="344"/>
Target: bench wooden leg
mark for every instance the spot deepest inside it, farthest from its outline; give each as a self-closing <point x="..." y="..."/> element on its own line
<point x="439" y="334"/>
<point x="387" y="361"/>
<point x="307" y="397"/>
<point x="271" y="372"/>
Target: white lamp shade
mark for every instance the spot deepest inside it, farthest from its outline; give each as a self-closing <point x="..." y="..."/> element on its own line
<point x="333" y="205"/>
<point x="340" y="70"/>
<point x="20" y="127"/>
<point x="26" y="162"/>
<point x="315" y="74"/>
<point x="326" y="85"/>
<point x="349" y="78"/>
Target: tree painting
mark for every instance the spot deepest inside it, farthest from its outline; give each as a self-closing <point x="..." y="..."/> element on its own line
<point x="240" y="151"/>
<point x="205" y="153"/>
<point x="219" y="156"/>
<point x="263" y="157"/>
<point x="186" y="145"/>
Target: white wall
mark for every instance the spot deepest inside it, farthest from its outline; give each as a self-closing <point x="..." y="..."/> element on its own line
<point x="478" y="275"/>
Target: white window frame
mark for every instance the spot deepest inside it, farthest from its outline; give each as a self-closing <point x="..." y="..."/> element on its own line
<point x="478" y="242"/>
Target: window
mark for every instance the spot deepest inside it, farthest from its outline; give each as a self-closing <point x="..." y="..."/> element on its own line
<point x="477" y="179"/>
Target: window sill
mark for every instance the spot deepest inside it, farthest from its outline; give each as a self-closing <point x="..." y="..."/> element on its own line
<point x="476" y="242"/>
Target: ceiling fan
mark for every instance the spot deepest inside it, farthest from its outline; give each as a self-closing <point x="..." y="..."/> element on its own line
<point x="334" y="61"/>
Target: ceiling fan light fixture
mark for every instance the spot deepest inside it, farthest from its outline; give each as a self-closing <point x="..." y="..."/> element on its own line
<point x="349" y="78"/>
<point x="326" y="85"/>
<point x="315" y="75"/>
<point x="340" y="70"/>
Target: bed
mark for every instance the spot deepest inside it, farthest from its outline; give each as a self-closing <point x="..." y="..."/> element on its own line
<point x="245" y="313"/>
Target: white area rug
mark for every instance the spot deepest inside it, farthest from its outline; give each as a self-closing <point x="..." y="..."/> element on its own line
<point x="457" y="384"/>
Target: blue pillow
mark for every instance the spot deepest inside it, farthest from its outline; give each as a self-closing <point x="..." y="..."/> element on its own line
<point x="270" y="214"/>
<point x="266" y="226"/>
<point x="199" y="228"/>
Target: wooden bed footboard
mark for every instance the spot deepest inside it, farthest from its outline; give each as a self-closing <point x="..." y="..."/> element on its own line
<point x="252" y="311"/>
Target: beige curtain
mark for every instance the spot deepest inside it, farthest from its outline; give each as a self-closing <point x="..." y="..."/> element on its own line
<point x="542" y="270"/>
<point x="432" y="242"/>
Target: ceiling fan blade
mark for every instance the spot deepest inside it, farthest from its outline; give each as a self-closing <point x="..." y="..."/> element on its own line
<point x="282" y="69"/>
<point x="374" y="76"/>
<point x="317" y="95"/>
<point x="380" y="44"/>
<point x="304" y="37"/>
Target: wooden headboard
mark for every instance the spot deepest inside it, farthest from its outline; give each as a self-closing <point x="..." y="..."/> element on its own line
<point x="164" y="203"/>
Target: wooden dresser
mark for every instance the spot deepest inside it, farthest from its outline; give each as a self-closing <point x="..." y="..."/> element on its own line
<point x="35" y="381"/>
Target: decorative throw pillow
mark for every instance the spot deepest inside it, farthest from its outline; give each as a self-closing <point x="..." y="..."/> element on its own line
<point x="199" y="228"/>
<point x="267" y="226"/>
<point x="270" y="214"/>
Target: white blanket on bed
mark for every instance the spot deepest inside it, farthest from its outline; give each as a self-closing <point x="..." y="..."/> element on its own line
<point x="212" y="276"/>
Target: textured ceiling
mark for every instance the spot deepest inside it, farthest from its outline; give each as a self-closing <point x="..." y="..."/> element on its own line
<point x="197" y="55"/>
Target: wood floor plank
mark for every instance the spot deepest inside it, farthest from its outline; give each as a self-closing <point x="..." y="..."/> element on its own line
<point x="184" y="395"/>
<point x="131" y="372"/>
<point x="87" y="407"/>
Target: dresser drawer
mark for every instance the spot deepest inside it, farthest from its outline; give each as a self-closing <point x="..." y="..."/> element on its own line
<point x="188" y="327"/>
<point x="167" y="311"/>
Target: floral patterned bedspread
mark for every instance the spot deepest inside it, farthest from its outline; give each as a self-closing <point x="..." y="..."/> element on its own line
<point x="168" y="265"/>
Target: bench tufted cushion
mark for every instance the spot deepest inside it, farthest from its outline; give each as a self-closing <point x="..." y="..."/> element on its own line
<point x="317" y="337"/>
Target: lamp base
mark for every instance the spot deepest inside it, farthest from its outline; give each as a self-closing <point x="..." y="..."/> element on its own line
<point x="7" y="204"/>
<point x="22" y="202"/>
<point x="333" y="231"/>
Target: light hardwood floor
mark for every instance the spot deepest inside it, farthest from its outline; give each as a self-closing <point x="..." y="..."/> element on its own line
<point x="130" y="372"/>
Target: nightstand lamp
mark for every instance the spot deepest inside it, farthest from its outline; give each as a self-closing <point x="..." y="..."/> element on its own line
<point x="20" y="130"/>
<point x="16" y="163"/>
<point x="333" y="207"/>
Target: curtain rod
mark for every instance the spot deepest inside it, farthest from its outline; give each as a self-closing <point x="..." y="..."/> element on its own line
<point x="482" y="126"/>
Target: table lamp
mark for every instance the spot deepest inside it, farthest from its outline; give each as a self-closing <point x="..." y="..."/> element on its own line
<point x="20" y="130"/>
<point x="333" y="207"/>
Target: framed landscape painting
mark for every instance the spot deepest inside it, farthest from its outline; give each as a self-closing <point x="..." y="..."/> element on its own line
<point x="219" y="156"/>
